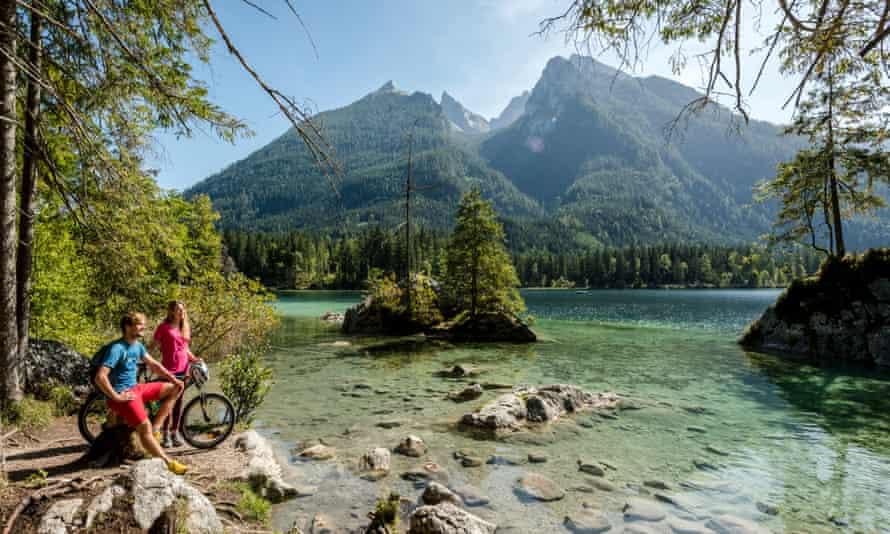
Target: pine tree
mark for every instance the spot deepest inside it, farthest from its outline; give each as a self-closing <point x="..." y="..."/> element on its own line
<point x="480" y="275"/>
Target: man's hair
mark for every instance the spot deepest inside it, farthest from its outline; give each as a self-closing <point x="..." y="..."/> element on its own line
<point x="131" y="318"/>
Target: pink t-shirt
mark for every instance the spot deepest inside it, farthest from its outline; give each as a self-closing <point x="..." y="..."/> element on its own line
<point x="174" y="348"/>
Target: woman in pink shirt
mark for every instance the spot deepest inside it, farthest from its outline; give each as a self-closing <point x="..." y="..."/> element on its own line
<point x="173" y="336"/>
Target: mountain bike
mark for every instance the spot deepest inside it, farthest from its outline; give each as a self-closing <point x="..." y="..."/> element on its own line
<point x="207" y="419"/>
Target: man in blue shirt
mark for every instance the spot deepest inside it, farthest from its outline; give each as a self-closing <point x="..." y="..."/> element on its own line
<point x="116" y="376"/>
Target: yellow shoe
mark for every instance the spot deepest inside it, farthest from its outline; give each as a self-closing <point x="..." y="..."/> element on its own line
<point x="177" y="468"/>
<point x="157" y="435"/>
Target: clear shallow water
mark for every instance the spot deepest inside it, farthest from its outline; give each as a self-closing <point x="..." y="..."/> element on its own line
<point x="813" y="443"/>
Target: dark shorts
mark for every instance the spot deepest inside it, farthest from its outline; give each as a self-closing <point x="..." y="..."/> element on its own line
<point x="133" y="412"/>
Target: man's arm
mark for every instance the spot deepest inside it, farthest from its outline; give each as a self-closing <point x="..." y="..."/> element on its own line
<point x="159" y="369"/>
<point x="105" y="386"/>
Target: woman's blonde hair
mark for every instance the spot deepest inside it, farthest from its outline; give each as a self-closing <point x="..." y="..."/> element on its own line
<point x="183" y="325"/>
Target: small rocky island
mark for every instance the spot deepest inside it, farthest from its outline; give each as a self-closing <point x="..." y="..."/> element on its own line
<point x="387" y="310"/>
<point x="842" y="314"/>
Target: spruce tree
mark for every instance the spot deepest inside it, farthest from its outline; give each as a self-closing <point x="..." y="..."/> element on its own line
<point x="480" y="276"/>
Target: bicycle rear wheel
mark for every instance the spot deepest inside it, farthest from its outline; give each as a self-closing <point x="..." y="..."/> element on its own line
<point x="207" y="420"/>
<point x="92" y="416"/>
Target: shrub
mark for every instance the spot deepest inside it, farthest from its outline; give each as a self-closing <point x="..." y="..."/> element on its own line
<point x="252" y="506"/>
<point x="29" y="413"/>
<point x="63" y="400"/>
<point x="246" y="381"/>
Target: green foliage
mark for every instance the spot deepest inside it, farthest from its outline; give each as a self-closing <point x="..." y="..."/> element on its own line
<point x="278" y="188"/>
<point x="245" y="381"/>
<point x="480" y="276"/>
<point x="834" y="179"/>
<point x="29" y="413"/>
<point x="37" y="479"/>
<point x="392" y="298"/>
<point x="252" y="506"/>
<point x="63" y="400"/>
<point x="386" y="513"/>
<point x="228" y="313"/>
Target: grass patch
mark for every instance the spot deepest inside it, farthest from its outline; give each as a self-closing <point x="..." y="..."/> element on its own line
<point x="29" y="413"/>
<point x="252" y="506"/>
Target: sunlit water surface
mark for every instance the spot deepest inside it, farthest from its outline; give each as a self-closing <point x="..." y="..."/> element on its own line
<point x="728" y="432"/>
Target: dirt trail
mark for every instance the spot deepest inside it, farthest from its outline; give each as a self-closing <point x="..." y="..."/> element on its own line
<point x="56" y="451"/>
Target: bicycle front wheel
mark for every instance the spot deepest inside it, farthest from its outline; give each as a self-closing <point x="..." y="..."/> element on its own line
<point x="207" y="420"/>
<point x="92" y="416"/>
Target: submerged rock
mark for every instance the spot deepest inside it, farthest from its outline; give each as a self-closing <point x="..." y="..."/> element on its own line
<point x="727" y="524"/>
<point x="471" y="392"/>
<point x="539" y="487"/>
<point x="436" y="493"/>
<point x="447" y="518"/>
<point x="636" y="509"/>
<point x="587" y="521"/>
<point x="319" y="452"/>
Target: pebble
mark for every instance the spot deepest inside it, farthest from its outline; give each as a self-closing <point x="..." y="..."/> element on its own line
<point x="537" y="457"/>
<point x="389" y="424"/>
<point x="767" y="508"/>
<point x="681" y="526"/>
<point x="498" y="459"/>
<point x="714" y="450"/>
<point x="656" y="484"/>
<point x="591" y="468"/>
<point x="697" y="429"/>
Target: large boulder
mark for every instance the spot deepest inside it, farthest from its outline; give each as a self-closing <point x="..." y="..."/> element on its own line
<point x="50" y="363"/>
<point x="490" y="327"/>
<point x="446" y="518"/>
<point x="841" y="314"/>
<point x="537" y="405"/>
<point x="155" y="490"/>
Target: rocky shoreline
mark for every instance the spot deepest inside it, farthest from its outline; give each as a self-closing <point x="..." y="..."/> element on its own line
<point x="840" y="315"/>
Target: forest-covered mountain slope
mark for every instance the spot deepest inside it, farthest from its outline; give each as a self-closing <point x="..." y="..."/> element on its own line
<point x="589" y="155"/>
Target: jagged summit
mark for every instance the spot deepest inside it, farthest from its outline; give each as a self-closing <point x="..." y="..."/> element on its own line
<point x="462" y="118"/>
<point x="388" y="87"/>
<point x="512" y="112"/>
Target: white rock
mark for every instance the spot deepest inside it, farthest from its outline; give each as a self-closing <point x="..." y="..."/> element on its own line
<point x="155" y="489"/>
<point x="377" y="459"/>
<point x="263" y="471"/>
<point x="102" y="503"/>
<point x="59" y="517"/>
<point x="446" y="518"/>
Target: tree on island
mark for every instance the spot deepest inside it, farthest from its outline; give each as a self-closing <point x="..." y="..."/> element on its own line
<point x="833" y="179"/>
<point x="480" y="277"/>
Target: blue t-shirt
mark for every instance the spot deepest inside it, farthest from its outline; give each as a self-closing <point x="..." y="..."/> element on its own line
<point x="123" y="360"/>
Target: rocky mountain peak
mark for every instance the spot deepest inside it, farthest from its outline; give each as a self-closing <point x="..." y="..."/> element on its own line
<point x="462" y="118"/>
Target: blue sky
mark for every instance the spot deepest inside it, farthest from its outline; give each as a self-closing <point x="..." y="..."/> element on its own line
<point x="483" y="52"/>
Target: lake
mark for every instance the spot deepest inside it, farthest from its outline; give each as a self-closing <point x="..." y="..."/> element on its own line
<point x="789" y="446"/>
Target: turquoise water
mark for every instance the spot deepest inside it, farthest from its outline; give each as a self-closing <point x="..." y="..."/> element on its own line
<point x="728" y="432"/>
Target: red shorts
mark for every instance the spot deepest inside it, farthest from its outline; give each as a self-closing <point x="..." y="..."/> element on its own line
<point x="133" y="412"/>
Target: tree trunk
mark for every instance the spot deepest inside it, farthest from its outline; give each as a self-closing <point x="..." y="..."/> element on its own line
<point x="837" y="224"/>
<point x="9" y="363"/>
<point x="28" y="193"/>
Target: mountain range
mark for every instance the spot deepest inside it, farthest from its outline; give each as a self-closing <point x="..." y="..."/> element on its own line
<point x="590" y="154"/>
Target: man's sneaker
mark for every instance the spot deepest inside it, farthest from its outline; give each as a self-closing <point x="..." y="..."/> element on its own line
<point x="175" y="441"/>
<point x="167" y="442"/>
<point x="177" y="468"/>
